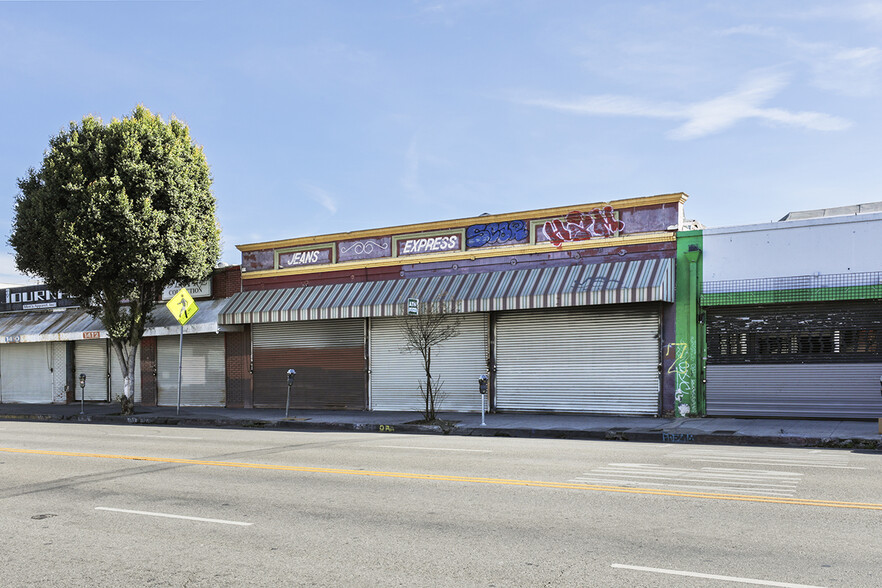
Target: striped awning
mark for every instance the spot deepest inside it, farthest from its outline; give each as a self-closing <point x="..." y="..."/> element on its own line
<point x="73" y="324"/>
<point x="547" y="287"/>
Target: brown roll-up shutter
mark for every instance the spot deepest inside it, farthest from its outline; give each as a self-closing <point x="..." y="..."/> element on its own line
<point x="329" y="359"/>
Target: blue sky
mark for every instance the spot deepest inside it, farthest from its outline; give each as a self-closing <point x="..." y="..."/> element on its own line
<point x="333" y="115"/>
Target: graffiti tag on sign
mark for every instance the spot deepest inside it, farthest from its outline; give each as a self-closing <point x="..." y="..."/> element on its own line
<point x="582" y="226"/>
<point x="496" y="233"/>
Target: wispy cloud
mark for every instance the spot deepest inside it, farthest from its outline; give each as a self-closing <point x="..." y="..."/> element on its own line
<point x="9" y="274"/>
<point x="410" y="181"/>
<point x="322" y="197"/>
<point x="705" y="117"/>
<point x="850" y="71"/>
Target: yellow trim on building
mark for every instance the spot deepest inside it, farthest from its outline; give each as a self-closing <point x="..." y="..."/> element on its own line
<point x="678" y="197"/>
<point x="471" y="254"/>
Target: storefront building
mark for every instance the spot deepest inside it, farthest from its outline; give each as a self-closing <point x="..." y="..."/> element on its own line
<point x="566" y="309"/>
<point x="789" y="316"/>
<point x="46" y="342"/>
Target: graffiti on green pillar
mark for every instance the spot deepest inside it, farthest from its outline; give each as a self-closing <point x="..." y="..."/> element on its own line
<point x="684" y="392"/>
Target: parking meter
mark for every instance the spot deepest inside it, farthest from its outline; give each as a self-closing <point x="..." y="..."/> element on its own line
<point x="483" y="381"/>
<point x="82" y="393"/>
<point x="291" y="374"/>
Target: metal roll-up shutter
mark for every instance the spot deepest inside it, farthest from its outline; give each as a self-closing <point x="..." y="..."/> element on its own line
<point x="26" y="373"/>
<point x="809" y="360"/>
<point x="588" y="359"/>
<point x="327" y="355"/>
<point x="90" y="358"/>
<point x="839" y="391"/>
<point x="116" y="377"/>
<point x="396" y="375"/>
<point x="203" y="380"/>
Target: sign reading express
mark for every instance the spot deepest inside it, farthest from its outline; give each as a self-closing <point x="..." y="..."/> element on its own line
<point x="434" y="244"/>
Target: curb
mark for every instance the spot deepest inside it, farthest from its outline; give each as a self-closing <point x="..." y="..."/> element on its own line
<point x="654" y="436"/>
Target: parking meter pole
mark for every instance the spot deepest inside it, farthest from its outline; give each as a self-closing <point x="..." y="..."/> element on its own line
<point x="483" y="381"/>
<point x="82" y="393"/>
<point x="291" y="373"/>
<point x="180" y="367"/>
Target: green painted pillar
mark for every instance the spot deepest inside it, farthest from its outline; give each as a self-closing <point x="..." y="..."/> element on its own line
<point x="687" y="350"/>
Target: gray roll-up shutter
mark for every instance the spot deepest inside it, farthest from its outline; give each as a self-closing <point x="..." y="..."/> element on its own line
<point x="327" y="355"/>
<point x="116" y="377"/>
<point x="589" y="359"/>
<point x="396" y="374"/>
<point x="837" y="391"/>
<point x="25" y="373"/>
<point x="203" y="378"/>
<point x="90" y="358"/>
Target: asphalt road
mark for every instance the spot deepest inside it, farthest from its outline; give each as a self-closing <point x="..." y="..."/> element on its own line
<point x="220" y="507"/>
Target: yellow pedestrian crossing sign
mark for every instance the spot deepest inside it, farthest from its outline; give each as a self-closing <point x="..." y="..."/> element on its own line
<point x="182" y="306"/>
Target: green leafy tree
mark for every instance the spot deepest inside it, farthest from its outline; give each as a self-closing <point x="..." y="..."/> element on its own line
<point x="115" y="214"/>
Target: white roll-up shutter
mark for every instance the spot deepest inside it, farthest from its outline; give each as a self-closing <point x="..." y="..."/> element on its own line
<point x="396" y="374"/>
<point x="588" y="359"/>
<point x="26" y="373"/>
<point x="203" y="378"/>
<point x="90" y="358"/>
<point x="820" y="390"/>
<point x="116" y="377"/>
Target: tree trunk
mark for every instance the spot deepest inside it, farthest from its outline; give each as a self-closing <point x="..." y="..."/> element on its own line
<point x="126" y="354"/>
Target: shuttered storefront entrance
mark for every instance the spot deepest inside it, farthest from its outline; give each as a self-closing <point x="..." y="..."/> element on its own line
<point x="26" y="372"/>
<point x="820" y="360"/>
<point x="203" y="377"/>
<point x="396" y="375"/>
<point x="600" y="359"/>
<point x="90" y="358"/>
<point x="329" y="359"/>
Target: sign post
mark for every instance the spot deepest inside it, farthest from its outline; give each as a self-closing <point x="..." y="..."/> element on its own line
<point x="183" y="307"/>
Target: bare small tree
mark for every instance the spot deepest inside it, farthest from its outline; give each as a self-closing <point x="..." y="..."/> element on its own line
<point x="434" y="325"/>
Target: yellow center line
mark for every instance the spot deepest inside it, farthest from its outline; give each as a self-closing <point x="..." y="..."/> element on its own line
<point x="465" y="479"/>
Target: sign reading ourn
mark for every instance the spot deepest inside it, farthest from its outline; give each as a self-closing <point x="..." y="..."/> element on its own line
<point x="33" y="298"/>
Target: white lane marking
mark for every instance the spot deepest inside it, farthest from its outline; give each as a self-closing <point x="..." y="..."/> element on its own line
<point x="763" y="482"/>
<point x="172" y="516"/>
<point x="151" y="436"/>
<point x="800" y="464"/>
<point x="812" y="459"/>
<point x="433" y="448"/>
<point x="714" y="577"/>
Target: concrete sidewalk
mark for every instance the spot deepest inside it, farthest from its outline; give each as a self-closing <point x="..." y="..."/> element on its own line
<point x="715" y="430"/>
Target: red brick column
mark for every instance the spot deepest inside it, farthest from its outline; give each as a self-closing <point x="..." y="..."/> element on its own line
<point x="238" y="364"/>
<point x="148" y="371"/>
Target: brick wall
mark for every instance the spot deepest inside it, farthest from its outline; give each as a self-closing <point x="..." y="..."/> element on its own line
<point x="148" y="371"/>
<point x="226" y="281"/>
<point x="238" y="364"/>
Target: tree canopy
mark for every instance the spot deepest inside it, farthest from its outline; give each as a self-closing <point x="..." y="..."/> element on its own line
<point x="115" y="213"/>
